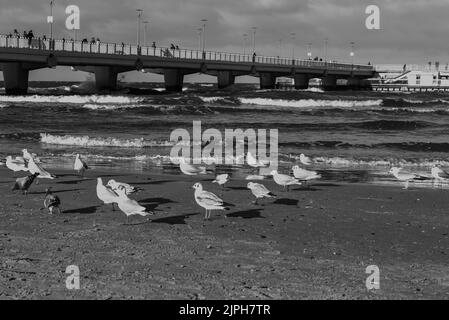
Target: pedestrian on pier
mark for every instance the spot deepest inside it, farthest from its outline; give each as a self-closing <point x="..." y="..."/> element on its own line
<point x="16" y="33"/>
<point x="254" y="57"/>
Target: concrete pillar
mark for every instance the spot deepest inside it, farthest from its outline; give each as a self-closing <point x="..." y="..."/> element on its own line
<point x="301" y="81"/>
<point x="329" y="83"/>
<point x="173" y="80"/>
<point x="225" y="79"/>
<point x="354" y="83"/>
<point x="267" y="81"/>
<point x="105" y="78"/>
<point x="15" y="78"/>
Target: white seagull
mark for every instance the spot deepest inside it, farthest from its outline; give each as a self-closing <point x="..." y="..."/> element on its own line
<point x="27" y="156"/>
<point x="33" y="167"/>
<point x="129" y="206"/>
<point x="221" y="179"/>
<point x="80" y="165"/>
<point x="260" y="191"/>
<point x="105" y="194"/>
<point x="403" y="177"/>
<point x="115" y="185"/>
<point x="253" y="162"/>
<point x="305" y="160"/>
<point x="17" y="164"/>
<point x="284" y="180"/>
<point x="305" y="175"/>
<point x="190" y="169"/>
<point x="439" y="175"/>
<point x="207" y="200"/>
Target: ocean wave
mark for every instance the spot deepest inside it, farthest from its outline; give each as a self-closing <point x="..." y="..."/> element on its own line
<point x="86" y="141"/>
<point x="109" y="107"/>
<point x="403" y="146"/>
<point x="74" y="99"/>
<point x="308" y="103"/>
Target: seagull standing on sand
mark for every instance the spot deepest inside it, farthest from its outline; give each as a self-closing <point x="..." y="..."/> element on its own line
<point x="439" y="175"/>
<point x="24" y="183"/>
<point x="52" y="202"/>
<point x="80" y="165"/>
<point x="207" y="200"/>
<point x="129" y="206"/>
<point x="305" y="160"/>
<point x="115" y="185"/>
<point x="221" y="179"/>
<point x="305" y="175"/>
<point x="105" y="194"/>
<point x="284" y="180"/>
<point x="190" y="169"/>
<point x="16" y="165"/>
<point x="260" y="191"/>
<point x="33" y="167"/>
<point x="403" y="177"/>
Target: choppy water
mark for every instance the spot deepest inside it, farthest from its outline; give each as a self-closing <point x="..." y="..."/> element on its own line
<point x="360" y="132"/>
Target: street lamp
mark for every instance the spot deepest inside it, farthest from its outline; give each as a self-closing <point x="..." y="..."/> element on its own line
<point x="352" y="53"/>
<point x="280" y="48"/>
<point x="50" y="19"/>
<point x="325" y="49"/>
<point x="293" y="36"/>
<point x="200" y="36"/>
<point x="254" y="39"/>
<point x="145" y="23"/>
<point x="309" y="51"/>
<point x="139" y="16"/>
<point x="245" y="39"/>
<point x="204" y="35"/>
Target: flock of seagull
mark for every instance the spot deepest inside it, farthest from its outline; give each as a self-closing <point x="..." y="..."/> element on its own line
<point x="117" y="193"/>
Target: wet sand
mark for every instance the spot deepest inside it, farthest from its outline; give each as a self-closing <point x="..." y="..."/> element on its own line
<point x="308" y="244"/>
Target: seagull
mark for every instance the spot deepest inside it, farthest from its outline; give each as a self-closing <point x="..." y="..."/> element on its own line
<point x="190" y="169"/>
<point x="33" y="167"/>
<point x="403" y="177"/>
<point x="129" y="206"/>
<point x="105" y="194"/>
<point x="80" y="165"/>
<point x="221" y="179"/>
<point x="24" y="183"/>
<point x="114" y="185"/>
<point x="305" y="160"/>
<point x="440" y="175"/>
<point x="253" y="162"/>
<point x="27" y="156"/>
<point x="284" y="180"/>
<point x="305" y="175"/>
<point x="207" y="200"/>
<point x="260" y="191"/>
<point x="16" y="165"/>
<point x="52" y="202"/>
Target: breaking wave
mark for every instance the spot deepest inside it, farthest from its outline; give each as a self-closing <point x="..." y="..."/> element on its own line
<point x="307" y="103"/>
<point x="73" y="99"/>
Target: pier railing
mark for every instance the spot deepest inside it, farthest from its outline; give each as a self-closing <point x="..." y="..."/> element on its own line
<point x="174" y="53"/>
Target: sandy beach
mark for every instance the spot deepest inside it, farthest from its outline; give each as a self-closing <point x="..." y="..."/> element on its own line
<point x="307" y="244"/>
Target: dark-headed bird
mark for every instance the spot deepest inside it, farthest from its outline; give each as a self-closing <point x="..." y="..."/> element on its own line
<point x="24" y="183"/>
<point x="52" y="202"/>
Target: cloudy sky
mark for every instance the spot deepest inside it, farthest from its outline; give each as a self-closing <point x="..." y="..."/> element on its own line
<point x="412" y="31"/>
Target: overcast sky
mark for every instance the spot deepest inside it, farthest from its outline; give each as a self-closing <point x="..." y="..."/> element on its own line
<point x="412" y="31"/>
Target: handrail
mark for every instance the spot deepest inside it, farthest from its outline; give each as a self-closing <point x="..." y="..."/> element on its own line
<point x="163" y="52"/>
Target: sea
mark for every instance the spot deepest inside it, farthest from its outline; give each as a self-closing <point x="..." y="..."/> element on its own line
<point x="352" y="136"/>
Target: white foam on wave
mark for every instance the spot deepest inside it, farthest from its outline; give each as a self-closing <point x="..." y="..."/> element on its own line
<point x="311" y="103"/>
<point x="86" y="141"/>
<point x="75" y="99"/>
<point x="107" y="107"/>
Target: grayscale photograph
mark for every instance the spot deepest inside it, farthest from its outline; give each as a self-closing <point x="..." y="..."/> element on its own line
<point x="224" y="150"/>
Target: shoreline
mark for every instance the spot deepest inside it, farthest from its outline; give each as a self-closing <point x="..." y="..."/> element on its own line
<point x="307" y="244"/>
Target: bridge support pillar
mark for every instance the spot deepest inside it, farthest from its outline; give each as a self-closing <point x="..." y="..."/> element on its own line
<point x="301" y="81"/>
<point x="105" y="78"/>
<point x="225" y="79"/>
<point x="267" y="80"/>
<point x="16" y="78"/>
<point x="173" y="80"/>
<point x="354" y="83"/>
<point x="329" y="83"/>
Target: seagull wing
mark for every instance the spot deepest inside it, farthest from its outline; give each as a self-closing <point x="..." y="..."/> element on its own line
<point x="210" y="199"/>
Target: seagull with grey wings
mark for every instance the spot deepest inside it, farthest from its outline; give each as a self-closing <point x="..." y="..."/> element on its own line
<point x="260" y="191"/>
<point x="208" y="200"/>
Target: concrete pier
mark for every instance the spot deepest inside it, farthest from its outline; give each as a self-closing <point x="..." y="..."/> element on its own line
<point x="301" y="81"/>
<point x="15" y="76"/>
<point x="267" y="80"/>
<point x="329" y="82"/>
<point x="225" y="79"/>
<point x="174" y="79"/>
